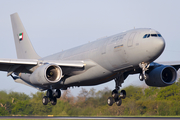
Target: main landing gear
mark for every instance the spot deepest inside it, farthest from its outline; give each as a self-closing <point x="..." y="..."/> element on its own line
<point x="116" y="96"/>
<point x="51" y="96"/>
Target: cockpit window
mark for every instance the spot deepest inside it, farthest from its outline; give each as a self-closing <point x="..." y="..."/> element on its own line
<point x="152" y="35"/>
<point x="159" y="35"/>
<point x="145" y="36"/>
<point x="148" y="35"/>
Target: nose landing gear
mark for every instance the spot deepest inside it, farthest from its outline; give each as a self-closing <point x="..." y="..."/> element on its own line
<point x="51" y="96"/>
<point x="144" y="67"/>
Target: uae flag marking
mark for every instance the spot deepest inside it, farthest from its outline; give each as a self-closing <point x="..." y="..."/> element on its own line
<point x="20" y="36"/>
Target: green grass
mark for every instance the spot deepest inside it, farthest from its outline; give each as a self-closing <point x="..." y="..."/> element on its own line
<point x="54" y="118"/>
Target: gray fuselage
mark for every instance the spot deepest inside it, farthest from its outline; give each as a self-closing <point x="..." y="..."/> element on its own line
<point x="111" y="55"/>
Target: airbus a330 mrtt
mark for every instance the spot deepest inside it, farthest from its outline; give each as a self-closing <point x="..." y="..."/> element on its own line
<point x="111" y="58"/>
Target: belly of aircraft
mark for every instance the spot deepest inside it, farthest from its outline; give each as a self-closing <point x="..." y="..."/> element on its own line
<point x="93" y="76"/>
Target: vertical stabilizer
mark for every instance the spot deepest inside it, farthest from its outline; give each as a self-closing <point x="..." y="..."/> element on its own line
<point x="24" y="48"/>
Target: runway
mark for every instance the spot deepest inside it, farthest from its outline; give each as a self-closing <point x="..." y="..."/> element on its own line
<point x="91" y="118"/>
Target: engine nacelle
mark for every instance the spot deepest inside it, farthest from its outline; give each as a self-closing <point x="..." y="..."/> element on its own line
<point x="46" y="74"/>
<point x="161" y="76"/>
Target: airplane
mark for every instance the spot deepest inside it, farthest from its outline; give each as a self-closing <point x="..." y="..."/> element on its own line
<point x="110" y="58"/>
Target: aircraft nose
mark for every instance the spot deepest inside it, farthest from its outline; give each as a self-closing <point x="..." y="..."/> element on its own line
<point x="158" y="47"/>
<point x="159" y="44"/>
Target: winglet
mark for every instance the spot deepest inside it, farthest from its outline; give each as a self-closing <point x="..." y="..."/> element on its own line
<point x="24" y="48"/>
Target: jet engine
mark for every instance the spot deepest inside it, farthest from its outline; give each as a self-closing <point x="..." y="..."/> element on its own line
<point x="46" y="74"/>
<point x="161" y="76"/>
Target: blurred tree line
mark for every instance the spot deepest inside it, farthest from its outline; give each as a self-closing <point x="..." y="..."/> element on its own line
<point x="162" y="101"/>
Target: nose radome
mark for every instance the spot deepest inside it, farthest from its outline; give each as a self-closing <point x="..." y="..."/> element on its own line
<point x="160" y="44"/>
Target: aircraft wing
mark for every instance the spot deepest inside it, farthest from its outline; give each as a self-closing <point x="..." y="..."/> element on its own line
<point x="27" y="65"/>
<point x="175" y="64"/>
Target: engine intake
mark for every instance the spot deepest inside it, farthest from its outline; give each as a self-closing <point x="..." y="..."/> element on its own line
<point x="46" y="74"/>
<point x="52" y="73"/>
<point x="161" y="76"/>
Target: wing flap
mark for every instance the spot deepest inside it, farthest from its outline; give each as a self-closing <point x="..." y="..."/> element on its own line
<point x="66" y="63"/>
<point x="19" y="61"/>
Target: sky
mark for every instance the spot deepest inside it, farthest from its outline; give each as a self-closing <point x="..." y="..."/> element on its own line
<point x="56" y="25"/>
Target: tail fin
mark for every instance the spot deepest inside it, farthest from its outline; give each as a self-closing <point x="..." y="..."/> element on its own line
<point x="24" y="48"/>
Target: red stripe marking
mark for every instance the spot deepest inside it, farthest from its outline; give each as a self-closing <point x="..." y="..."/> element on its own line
<point x="22" y="36"/>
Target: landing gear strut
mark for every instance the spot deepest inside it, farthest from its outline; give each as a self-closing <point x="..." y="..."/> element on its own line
<point x="116" y="96"/>
<point x="144" y="67"/>
<point x="51" y="96"/>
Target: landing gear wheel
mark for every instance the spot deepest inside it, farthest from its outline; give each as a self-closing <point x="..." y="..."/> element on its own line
<point x="119" y="102"/>
<point x="49" y="93"/>
<point x="141" y="78"/>
<point x="53" y="101"/>
<point x="116" y="97"/>
<point x="45" y="100"/>
<point x="110" y="101"/>
<point x="51" y="96"/>
<point x="123" y="94"/>
<point x="115" y="94"/>
<point x="57" y="93"/>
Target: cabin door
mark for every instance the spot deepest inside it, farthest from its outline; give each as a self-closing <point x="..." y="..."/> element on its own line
<point x="130" y="39"/>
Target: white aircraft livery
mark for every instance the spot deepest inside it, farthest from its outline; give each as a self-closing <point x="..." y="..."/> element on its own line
<point x="111" y="58"/>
